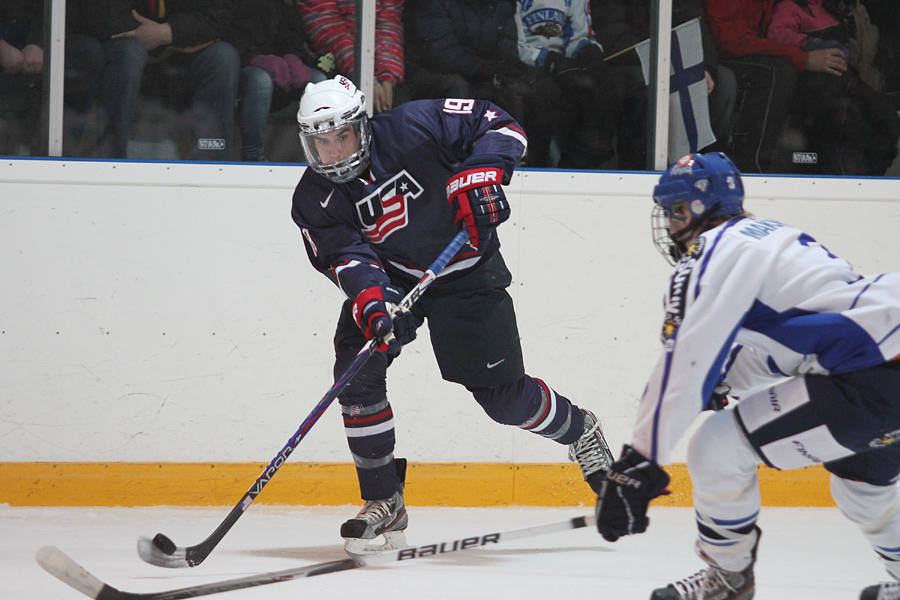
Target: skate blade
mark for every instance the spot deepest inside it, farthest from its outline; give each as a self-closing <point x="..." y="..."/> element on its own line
<point x="361" y="547"/>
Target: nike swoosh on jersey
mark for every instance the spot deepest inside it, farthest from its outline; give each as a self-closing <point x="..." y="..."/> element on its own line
<point x="324" y="203"/>
<point x="492" y="365"/>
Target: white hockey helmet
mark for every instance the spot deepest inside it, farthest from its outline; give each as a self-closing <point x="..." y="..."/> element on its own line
<point x="328" y="107"/>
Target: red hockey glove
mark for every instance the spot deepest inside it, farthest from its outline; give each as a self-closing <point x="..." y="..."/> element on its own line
<point x="478" y="202"/>
<point x="630" y="484"/>
<point x="377" y="312"/>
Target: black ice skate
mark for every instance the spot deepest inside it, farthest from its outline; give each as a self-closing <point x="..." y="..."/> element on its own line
<point x="386" y="518"/>
<point x="713" y="583"/>
<point x="882" y="591"/>
<point x="591" y="452"/>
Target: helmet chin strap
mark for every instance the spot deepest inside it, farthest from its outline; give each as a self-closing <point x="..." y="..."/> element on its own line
<point x="685" y="236"/>
<point x="680" y="240"/>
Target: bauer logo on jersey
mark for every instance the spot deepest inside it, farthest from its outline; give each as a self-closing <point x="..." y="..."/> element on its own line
<point x="675" y="299"/>
<point x="386" y="210"/>
<point x="886" y="439"/>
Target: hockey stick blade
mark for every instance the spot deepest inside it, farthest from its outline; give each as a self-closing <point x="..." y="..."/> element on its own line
<point x="163" y="552"/>
<point x="61" y="566"/>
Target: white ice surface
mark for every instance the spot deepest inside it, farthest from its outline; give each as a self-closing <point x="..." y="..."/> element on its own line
<point x="805" y="554"/>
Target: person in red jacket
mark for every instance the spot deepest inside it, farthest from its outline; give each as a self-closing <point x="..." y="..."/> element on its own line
<point x="767" y="74"/>
<point x="330" y="27"/>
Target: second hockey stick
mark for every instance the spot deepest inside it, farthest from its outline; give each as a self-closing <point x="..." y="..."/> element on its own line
<point x="58" y="564"/>
<point x="163" y="552"/>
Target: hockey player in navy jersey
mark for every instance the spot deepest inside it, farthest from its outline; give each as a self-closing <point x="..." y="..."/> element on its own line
<point x="811" y="349"/>
<point x="378" y="203"/>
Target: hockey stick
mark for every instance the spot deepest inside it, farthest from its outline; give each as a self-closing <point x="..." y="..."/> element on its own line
<point x="58" y="564"/>
<point x="163" y="552"/>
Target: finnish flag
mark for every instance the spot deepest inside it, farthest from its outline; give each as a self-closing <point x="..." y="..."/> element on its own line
<point x="689" y="127"/>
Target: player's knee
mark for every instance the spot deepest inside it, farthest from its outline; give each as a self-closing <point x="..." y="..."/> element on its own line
<point x="368" y="386"/>
<point x="504" y="404"/>
<point x="720" y="459"/>
<point x="867" y="505"/>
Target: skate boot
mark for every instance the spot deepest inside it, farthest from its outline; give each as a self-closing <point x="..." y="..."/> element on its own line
<point x="882" y="591"/>
<point x="386" y="518"/>
<point x="713" y="583"/>
<point x="591" y="452"/>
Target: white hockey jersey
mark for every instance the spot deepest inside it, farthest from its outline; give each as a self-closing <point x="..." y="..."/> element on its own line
<point x="562" y="26"/>
<point x="765" y="302"/>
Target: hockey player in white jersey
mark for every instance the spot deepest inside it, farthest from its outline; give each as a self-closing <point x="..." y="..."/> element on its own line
<point x="811" y="349"/>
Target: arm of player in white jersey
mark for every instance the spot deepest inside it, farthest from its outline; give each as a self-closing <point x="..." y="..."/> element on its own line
<point x="749" y="372"/>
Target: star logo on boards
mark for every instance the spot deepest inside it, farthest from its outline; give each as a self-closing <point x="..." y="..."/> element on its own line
<point x="490" y="115"/>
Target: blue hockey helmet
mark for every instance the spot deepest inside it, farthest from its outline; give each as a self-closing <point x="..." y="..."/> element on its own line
<point x="705" y="186"/>
<point x="709" y="183"/>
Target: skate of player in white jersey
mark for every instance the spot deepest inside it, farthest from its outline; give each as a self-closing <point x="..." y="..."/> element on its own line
<point x="808" y="346"/>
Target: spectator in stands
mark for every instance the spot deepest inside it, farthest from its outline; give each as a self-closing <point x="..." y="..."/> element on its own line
<point x="557" y="38"/>
<point x="275" y="61"/>
<point x="469" y="49"/>
<point x="180" y="38"/>
<point x="23" y="128"/>
<point x="82" y="117"/>
<point x="620" y="24"/>
<point x="852" y="127"/>
<point x="21" y="66"/>
<point x="767" y="73"/>
<point x="886" y="13"/>
<point x="330" y="27"/>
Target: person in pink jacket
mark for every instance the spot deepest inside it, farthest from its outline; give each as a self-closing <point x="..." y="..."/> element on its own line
<point x="849" y="127"/>
<point x="807" y="24"/>
<point x="767" y="73"/>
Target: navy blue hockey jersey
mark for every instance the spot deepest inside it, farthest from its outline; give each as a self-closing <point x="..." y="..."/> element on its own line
<point x="398" y="219"/>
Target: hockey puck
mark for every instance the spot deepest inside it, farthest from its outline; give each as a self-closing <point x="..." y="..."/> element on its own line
<point x="164" y="544"/>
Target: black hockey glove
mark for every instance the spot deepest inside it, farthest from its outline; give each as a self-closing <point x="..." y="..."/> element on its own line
<point x="377" y="312"/>
<point x="589" y="54"/>
<point x="478" y="202"/>
<point x="625" y="494"/>
<point x="556" y="63"/>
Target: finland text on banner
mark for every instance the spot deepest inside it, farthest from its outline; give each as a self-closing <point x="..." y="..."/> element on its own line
<point x="689" y="128"/>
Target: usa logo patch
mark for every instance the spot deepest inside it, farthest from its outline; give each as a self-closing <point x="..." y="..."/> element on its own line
<point x="386" y="210"/>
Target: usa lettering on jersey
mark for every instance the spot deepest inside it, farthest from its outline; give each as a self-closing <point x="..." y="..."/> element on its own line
<point x="386" y="210"/>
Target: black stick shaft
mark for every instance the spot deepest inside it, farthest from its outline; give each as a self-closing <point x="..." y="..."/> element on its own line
<point x="68" y="571"/>
<point x="194" y="555"/>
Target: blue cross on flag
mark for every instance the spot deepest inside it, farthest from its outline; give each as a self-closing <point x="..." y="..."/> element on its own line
<point x="689" y="127"/>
